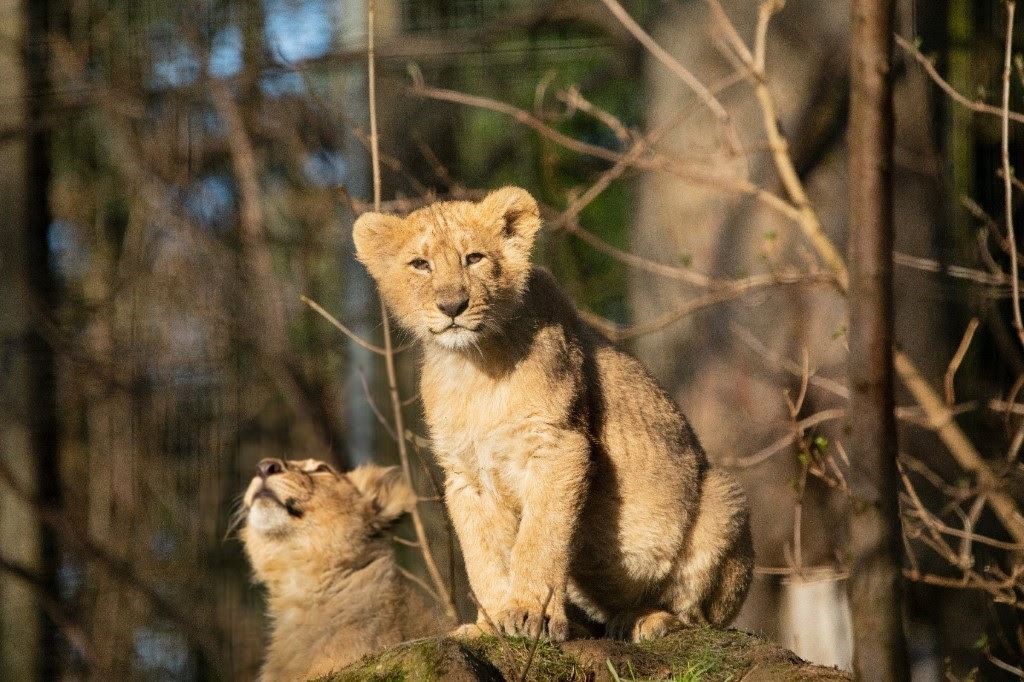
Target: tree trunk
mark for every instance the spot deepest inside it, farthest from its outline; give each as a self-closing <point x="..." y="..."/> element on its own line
<point x="875" y="580"/>
<point x="28" y="427"/>
<point x="42" y="403"/>
<point x="19" y="530"/>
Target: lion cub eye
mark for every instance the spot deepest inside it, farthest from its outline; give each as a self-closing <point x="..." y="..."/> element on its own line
<point x="420" y="264"/>
<point x="323" y="468"/>
<point x="474" y="257"/>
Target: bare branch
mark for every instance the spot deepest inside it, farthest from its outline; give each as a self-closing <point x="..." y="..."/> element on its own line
<point x="680" y="71"/>
<point x="536" y="635"/>
<point x="787" y="440"/>
<point x="958" y="358"/>
<point x="727" y="292"/>
<point x="955" y="271"/>
<point x="959" y="446"/>
<point x="1018" y="323"/>
<point x="389" y="352"/>
<point x="933" y="73"/>
<point x="339" y="326"/>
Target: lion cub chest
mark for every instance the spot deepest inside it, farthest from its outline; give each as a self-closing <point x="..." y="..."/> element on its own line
<point x="483" y="428"/>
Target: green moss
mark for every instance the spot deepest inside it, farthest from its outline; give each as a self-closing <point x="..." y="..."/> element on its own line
<point x="511" y="655"/>
<point x="690" y="655"/>
<point x="685" y="656"/>
<point x="423" y="659"/>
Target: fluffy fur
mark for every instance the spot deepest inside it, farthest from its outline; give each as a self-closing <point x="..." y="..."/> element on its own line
<point x="316" y="539"/>
<point x="567" y="468"/>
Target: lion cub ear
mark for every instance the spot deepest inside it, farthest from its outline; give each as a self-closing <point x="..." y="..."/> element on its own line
<point x="516" y="211"/>
<point x="376" y="236"/>
<point x="384" y="488"/>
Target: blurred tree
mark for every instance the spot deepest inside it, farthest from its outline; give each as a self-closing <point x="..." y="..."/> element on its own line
<point x="875" y="535"/>
<point x="21" y="624"/>
<point x="35" y="459"/>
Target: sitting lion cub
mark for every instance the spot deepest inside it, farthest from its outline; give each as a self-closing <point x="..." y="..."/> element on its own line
<point x="316" y="539"/>
<point x="567" y="468"/>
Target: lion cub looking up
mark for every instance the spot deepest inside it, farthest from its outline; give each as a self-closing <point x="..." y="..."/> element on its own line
<point x="315" y="538"/>
<point x="567" y="468"/>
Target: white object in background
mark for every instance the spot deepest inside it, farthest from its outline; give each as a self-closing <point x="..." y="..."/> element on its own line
<point x="815" y="621"/>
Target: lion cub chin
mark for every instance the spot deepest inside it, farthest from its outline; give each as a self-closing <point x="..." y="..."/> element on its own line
<point x="567" y="469"/>
<point x="316" y="538"/>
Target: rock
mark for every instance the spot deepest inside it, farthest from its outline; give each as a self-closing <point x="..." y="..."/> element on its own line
<point x="687" y="655"/>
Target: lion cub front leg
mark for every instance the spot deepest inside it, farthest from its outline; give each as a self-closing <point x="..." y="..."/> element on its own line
<point x="552" y="486"/>
<point x="486" y="533"/>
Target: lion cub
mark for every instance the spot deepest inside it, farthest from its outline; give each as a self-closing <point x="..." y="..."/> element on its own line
<point x="567" y="468"/>
<point x="316" y="539"/>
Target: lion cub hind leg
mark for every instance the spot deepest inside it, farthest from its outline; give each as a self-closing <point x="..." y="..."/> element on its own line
<point x="635" y="626"/>
<point x="716" y="567"/>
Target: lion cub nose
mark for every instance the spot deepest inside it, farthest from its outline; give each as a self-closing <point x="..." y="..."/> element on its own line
<point x="269" y="467"/>
<point x="453" y="307"/>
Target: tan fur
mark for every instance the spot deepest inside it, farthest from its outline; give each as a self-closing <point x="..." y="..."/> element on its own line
<point x="317" y="540"/>
<point x="567" y="467"/>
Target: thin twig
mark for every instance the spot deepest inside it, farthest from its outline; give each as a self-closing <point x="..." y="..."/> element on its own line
<point x="808" y="574"/>
<point x="536" y="635"/>
<point x="958" y="358"/>
<point x="420" y="582"/>
<point x="1018" y="323"/>
<point x="933" y="73"/>
<point x="575" y="100"/>
<point x="955" y="271"/>
<point x="680" y="71"/>
<point x="966" y="455"/>
<point x="679" y="168"/>
<point x="787" y="440"/>
<point x="402" y="541"/>
<point x="731" y="34"/>
<point x="728" y="292"/>
<point x="747" y="337"/>
<point x="389" y="353"/>
<point x="765" y="12"/>
<point x="803" y="212"/>
<point x="381" y="419"/>
<point x="339" y="326"/>
<point x="1000" y="663"/>
<point x="1013" y="451"/>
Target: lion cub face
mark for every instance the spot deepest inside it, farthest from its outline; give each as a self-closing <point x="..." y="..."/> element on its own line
<point x="452" y="272"/>
<point x="300" y="513"/>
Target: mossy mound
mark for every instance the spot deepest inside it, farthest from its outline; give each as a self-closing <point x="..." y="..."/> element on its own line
<point x="685" y="656"/>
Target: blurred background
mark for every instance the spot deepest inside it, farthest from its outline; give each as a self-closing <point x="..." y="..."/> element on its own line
<point x="177" y="175"/>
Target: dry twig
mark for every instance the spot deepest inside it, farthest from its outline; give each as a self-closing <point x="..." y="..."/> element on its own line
<point x="933" y="73"/>
<point x="389" y="352"/>
<point x="536" y="635"/>
<point x="1008" y="177"/>
<point x="958" y="358"/>
<point x="680" y="71"/>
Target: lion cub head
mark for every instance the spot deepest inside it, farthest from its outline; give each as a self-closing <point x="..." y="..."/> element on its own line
<point x="454" y="271"/>
<point x="303" y="516"/>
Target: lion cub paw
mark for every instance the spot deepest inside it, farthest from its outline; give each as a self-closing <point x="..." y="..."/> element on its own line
<point x="637" y="628"/>
<point x="525" y="621"/>
<point x="471" y="631"/>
